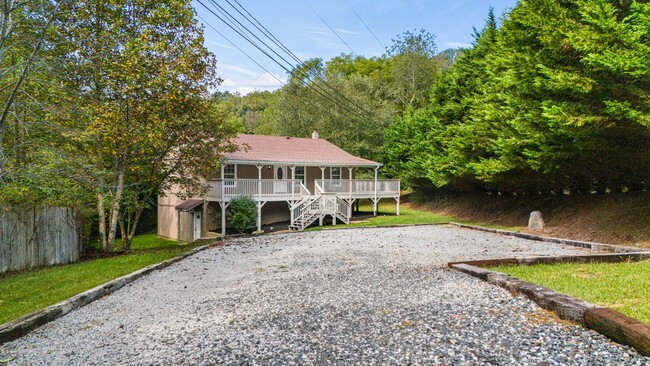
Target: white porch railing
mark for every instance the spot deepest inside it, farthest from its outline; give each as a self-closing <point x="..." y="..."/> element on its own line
<point x="265" y="188"/>
<point x="360" y="187"/>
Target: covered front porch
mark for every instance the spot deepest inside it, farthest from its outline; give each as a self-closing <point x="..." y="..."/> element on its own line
<point x="304" y="188"/>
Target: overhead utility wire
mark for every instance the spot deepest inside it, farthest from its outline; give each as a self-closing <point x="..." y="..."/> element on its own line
<point x="366" y="25"/>
<point x="225" y="13"/>
<point x="245" y="54"/>
<point x="240" y="50"/>
<point x="278" y="43"/>
<point x="319" y="92"/>
<point x="328" y="26"/>
<point x="271" y="57"/>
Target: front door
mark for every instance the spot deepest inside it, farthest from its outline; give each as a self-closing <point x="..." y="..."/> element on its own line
<point x="281" y="172"/>
<point x="197" y="225"/>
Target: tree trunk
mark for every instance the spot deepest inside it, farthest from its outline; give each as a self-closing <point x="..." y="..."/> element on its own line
<point x="115" y="209"/>
<point x="132" y="226"/>
<point x="101" y="211"/>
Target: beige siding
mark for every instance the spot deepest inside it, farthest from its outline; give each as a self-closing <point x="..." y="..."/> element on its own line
<point x="187" y="220"/>
<point x="167" y="221"/>
<point x="246" y="172"/>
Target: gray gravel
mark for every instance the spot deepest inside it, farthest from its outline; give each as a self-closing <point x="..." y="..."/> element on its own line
<point x="359" y="296"/>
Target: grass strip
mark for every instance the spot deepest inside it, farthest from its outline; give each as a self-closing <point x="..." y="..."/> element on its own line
<point x="27" y="291"/>
<point x="624" y="286"/>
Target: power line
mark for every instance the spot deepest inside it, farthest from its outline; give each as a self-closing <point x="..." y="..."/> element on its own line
<point x="338" y="95"/>
<point x="315" y="87"/>
<point x="328" y="26"/>
<point x="366" y="25"/>
<point x="240" y="50"/>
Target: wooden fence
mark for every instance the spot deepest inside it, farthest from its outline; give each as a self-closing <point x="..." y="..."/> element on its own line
<point x="38" y="236"/>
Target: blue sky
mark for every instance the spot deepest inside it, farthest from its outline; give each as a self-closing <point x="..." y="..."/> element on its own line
<point x="304" y="33"/>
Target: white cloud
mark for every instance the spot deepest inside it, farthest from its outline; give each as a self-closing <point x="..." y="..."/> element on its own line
<point x="458" y="45"/>
<point x="348" y="32"/>
<point x="241" y="80"/>
<point x="222" y="45"/>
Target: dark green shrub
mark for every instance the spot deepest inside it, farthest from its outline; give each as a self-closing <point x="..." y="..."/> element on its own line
<point x="242" y="213"/>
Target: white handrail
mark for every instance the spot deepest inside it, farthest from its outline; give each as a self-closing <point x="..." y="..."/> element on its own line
<point x="358" y="186"/>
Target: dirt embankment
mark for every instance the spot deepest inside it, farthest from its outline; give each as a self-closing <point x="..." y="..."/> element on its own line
<point x="607" y="218"/>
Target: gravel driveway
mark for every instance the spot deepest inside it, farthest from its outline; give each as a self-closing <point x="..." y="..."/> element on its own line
<point x="357" y="296"/>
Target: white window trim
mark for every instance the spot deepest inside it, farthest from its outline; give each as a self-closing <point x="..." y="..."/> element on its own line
<point x="336" y="182"/>
<point x="304" y="173"/>
<point x="340" y="170"/>
<point x="230" y="182"/>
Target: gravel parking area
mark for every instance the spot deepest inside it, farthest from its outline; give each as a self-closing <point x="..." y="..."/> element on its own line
<point x="356" y="296"/>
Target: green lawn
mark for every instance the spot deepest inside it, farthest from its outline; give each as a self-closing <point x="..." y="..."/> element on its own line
<point x="24" y="292"/>
<point x="621" y="286"/>
<point x="387" y="216"/>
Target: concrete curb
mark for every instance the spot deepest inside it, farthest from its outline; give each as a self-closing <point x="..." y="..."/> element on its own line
<point x="23" y="325"/>
<point x="611" y="323"/>
<point x="576" y="243"/>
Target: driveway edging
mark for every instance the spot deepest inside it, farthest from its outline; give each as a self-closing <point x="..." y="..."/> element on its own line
<point x="19" y="327"/>
<point x="611" y="323"/>
<point x="576" y="243"/>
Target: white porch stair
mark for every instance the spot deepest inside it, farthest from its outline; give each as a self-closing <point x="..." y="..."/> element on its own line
<point x="317" y="207"/>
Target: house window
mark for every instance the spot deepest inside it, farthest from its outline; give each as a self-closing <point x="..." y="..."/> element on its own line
<point x="335" y="173"/>
<point x="299" y="173"/>
<point x="229" y="174"/>
<point x="335" y="176"/>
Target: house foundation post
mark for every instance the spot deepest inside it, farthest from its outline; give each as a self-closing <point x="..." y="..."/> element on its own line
<point x="260" y="204"/>
<point x="397" y="208"/>
<point x="375" y="201"/>
<point x="223" y="218"/>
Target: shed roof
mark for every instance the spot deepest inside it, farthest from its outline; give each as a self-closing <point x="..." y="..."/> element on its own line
<point x="188" y="205"/>
<point x="292" y="150"/>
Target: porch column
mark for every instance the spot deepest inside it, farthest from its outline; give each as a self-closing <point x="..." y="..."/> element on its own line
<point x="375" y="200"/>
<point x="322" y="177"/>
<point x="350" y="179"/>
<point x="223" y="186"/>
<point x="259" y="181"/>
<point x="293" y="180"/>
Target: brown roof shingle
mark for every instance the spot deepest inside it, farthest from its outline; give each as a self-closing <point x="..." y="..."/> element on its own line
<point x="188" y="205"/>
<point x="293" y="150"/>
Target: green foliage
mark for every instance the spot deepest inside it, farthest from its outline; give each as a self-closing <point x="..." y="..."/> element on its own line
<point x="242" y="213"/>
<point x="556" y="97"/>
<point x="350" y="100"/>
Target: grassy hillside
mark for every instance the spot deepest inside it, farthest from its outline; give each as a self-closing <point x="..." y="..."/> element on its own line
<point x="607" y="218"/>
